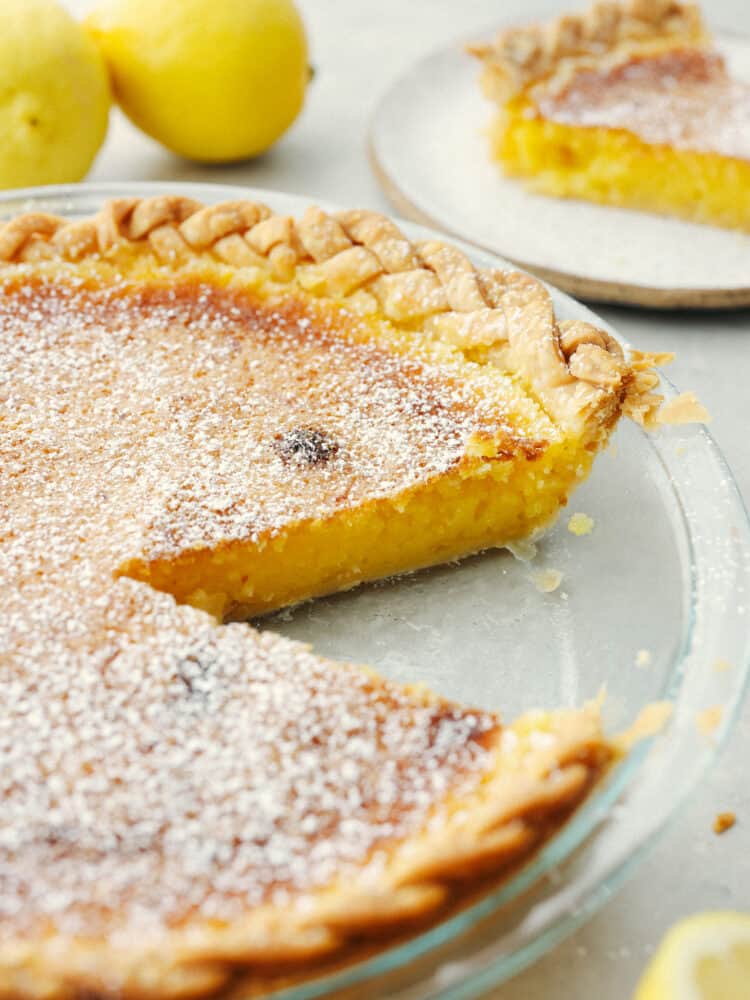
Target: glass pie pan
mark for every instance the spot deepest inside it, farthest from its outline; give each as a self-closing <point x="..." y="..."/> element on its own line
<point x="653" y="605"/>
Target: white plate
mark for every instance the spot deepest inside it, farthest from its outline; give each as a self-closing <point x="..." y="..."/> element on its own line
<point x="429" y="148"/>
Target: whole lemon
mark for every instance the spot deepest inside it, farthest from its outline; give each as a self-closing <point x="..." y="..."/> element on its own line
<point x="213" y="80"/>
<point x="55" y="101"/>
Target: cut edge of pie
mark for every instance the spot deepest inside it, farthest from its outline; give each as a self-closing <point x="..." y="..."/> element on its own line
<point x="543" y="76"/>
<point x="425" y="301"/>
<point x="431" y="299"/>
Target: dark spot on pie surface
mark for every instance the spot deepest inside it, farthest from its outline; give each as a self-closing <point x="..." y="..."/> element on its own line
<point x="58" y="835"/>
<point x="306" y="444"/>
<point x="193" y="671"/>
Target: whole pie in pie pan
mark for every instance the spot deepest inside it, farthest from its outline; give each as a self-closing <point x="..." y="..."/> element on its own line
<point x="211" y="412"/>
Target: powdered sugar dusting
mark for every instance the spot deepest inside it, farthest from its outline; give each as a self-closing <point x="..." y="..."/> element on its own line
<point x="156" y="765"/>
<point x="681" y="98"/>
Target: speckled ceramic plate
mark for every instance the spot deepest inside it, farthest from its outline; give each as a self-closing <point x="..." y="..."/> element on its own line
<point x="430" y="151"/>
<point x="665" y="570"/>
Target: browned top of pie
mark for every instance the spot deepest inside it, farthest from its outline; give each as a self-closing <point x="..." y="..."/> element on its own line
<point x="683" y="98"/>
<point x="221" y="416"/>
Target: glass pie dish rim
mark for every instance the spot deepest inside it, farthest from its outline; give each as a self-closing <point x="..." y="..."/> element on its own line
<point x="481" y="970"/>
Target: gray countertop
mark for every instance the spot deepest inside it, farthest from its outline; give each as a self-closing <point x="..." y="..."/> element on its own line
<point x="357" y="48"/>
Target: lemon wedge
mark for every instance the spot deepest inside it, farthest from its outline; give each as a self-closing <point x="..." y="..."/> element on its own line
<point x="705" y="957"/>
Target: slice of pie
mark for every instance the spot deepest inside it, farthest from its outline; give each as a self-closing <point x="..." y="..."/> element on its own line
<point x="212" y="409"/>
<point x="628" y="104"/>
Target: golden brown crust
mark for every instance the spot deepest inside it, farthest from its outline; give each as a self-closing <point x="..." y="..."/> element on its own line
<point x="544" y="766"/>
<point x="523" y="56"/>
<point x="578" y="372"/>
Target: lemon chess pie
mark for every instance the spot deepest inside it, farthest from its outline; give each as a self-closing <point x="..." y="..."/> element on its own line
<point x="213" y="411"/>
<point x="629" y="104"/>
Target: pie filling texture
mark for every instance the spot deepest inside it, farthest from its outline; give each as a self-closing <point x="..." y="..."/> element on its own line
<point x="208" y="412"/>
<point x="629" y="105"/>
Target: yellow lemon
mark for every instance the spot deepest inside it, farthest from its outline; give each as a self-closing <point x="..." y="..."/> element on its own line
<point x="706" y="957"/>
<point x="213" y="80"/>
<point x="54" y="95"/>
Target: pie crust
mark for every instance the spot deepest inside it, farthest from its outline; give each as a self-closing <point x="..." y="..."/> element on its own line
<point x="185" y="801"/>
<point x="606" y="33"/>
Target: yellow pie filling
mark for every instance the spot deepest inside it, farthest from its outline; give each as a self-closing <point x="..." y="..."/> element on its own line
<point x="489" y="505"/>
<point x="615" y="167"/>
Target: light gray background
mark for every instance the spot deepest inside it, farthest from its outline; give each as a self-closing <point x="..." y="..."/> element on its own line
<point x="357" y="48"/>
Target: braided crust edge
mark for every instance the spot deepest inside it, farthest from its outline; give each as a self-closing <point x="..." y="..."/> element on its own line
<point x="526" y="794"/>
<point x="522" y="56"/>
<point x="577" y="372"/>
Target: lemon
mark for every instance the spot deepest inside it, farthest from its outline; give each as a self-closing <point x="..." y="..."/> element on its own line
<point x="213" y="80"/>
<point x="54" y="95"/>
<point x="706" y="957"/>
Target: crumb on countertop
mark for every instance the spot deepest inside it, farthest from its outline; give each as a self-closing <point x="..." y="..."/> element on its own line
<point x="643" y="658"/>
<point x="721" y="665"/>
<point x="684" y="409"/>
<point x="547" y="580"/>
<point x="724" y="821"/>
<point x="709" y="719"/>
<point x="580" y="524"/>
<point x="523" y="549"/>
